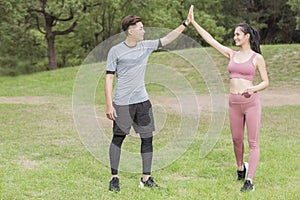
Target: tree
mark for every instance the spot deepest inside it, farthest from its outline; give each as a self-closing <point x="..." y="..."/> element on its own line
<point x="20" y="47"/>
<point x="53" y="14"/>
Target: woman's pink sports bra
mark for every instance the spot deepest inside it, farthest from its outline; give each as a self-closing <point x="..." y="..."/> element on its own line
<point x="245" y="70"/>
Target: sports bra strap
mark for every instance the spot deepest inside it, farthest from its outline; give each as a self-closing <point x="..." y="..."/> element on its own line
<point x="253" y="56"/>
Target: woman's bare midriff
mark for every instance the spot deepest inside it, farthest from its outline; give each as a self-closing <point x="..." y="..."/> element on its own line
<point x="239" y="85"/>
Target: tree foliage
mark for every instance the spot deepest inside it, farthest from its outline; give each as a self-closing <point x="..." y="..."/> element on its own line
<point x="37" y="35"/>
<point x="20" y="46"/>
<point x="274" y="19"/>
<point x="295" y="6"/>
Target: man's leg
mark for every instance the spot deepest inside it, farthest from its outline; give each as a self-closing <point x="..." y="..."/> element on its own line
<point x="144" y="125"/>
<point x="115" y="153"/>
<point x="121" y="127"/>
<point x="147" y="155"/>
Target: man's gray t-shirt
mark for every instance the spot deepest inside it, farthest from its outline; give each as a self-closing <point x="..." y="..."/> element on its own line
<point x="129" y="64"/>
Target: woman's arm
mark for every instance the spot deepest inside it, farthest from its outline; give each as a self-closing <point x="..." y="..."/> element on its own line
<point x="208" y="38"/>
<point x="261" y="67"/>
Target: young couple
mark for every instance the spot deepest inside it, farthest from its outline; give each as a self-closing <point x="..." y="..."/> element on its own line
<point x="131" y="107"/>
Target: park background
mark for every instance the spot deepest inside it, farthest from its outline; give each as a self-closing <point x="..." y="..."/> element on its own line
<point x="43" y="43"/>
<point x="37" y="35"/>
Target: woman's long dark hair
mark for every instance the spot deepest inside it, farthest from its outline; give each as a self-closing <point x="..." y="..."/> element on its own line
<point x="254" y="36"/>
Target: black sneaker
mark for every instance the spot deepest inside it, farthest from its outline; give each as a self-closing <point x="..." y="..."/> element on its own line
<point x="149" y="183"/>
<point x="114" y="184"/>
<point x="242" y="174"/>
<point x="248" y="186"/>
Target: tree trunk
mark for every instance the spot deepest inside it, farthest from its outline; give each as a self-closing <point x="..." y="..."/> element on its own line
<point x="51" y="52"/>
<point x="50" y="42"/>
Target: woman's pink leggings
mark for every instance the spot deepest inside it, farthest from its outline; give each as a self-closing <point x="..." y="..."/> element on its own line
<point x="244" y="109"/>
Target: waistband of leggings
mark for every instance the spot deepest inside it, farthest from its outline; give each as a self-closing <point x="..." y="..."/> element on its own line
<point x="242" y="98"/>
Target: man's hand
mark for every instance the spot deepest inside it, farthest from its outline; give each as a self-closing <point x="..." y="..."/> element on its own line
<point x="111" y="113"/>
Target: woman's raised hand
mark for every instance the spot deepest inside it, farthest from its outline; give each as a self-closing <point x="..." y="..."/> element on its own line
<point x="191" y="14"/>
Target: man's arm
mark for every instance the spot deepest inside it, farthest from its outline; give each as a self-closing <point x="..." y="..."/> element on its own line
<point x="172" y="35"/>
<point x="110" y="111"/>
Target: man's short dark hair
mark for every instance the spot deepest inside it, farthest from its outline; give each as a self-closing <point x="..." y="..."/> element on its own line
<point x="130" y="20"/>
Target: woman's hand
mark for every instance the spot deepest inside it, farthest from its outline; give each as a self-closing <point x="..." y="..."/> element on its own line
<point x="190" y="17"/>
<point x="248" y="92"/>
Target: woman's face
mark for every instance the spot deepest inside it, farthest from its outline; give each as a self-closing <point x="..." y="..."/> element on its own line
<point x="240" y="38"/>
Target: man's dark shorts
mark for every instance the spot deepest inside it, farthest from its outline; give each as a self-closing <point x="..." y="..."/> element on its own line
<point x="138" y="115"/>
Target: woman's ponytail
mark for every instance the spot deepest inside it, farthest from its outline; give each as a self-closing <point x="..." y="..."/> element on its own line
<point x="254" y="40"/>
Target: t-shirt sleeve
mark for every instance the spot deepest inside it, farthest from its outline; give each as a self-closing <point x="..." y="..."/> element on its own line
<point x="152" y="45"/>
<point x="111" y="64"/>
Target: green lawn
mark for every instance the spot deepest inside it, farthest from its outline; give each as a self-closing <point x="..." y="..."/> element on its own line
<point x="43" y="157"/>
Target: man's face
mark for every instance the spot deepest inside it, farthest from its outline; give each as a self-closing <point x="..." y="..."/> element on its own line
<point x="137" y="31"/>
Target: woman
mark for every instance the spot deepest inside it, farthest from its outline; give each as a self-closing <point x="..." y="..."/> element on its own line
<point x="244" y="103"/>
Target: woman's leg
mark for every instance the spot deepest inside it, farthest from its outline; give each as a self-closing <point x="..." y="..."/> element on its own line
<point x="253" y="117"/>
<point x="237" y="124"/>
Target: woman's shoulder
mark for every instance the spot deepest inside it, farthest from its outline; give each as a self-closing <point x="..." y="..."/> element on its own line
<point x="258" y="59"/>
<point x="258" y="56"/>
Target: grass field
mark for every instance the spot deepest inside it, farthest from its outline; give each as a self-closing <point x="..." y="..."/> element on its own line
<point x="42" y="156"/>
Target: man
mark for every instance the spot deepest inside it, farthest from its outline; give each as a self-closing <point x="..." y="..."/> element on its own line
<point x="131" y="105"/>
